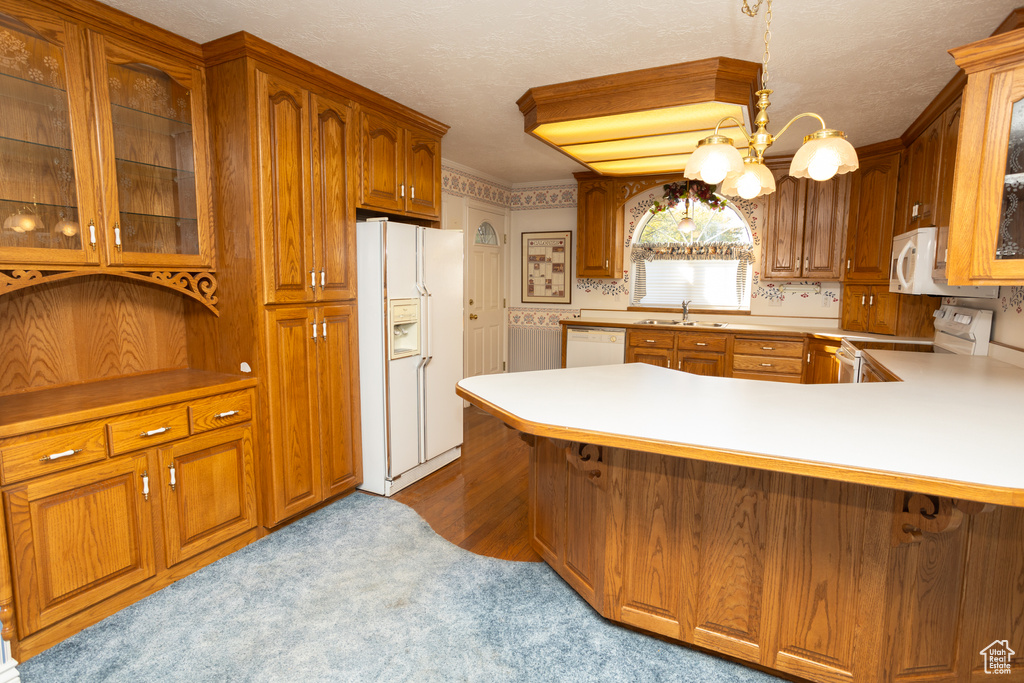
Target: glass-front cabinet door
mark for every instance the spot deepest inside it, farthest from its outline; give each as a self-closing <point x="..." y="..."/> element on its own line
<point x="47" y="205"/>
<point x="153" y="154"/>
<point x="986" y="239"/>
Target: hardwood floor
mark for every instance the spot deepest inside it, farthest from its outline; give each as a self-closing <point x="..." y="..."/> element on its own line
<point x="479" y="501"/>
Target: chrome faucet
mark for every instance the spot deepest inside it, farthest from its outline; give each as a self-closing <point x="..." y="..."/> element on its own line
<point x="686" y="311"/>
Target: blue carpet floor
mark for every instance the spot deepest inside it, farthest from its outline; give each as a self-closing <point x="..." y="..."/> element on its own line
<point x="364" y="590"/>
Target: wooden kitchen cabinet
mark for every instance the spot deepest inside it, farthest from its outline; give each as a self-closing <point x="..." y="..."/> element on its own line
<point x="151" y="113"/>
<point x="873" y="308"/>
<point x="872" y="214"/>
<point x="986" y="235"/>
<point x="944" y="197"/>
<point x="306" y="146"/>
<point x="599" y="236"/>
<point x="693" y="352"/>
<point x="777" y="359"/>
<point x="806" y="228"/>
<point x="47" y="198"/>
<point x="105" y="510"/>
<point x="401" y="167"/>
<point x="313" y="391"/>
<point x="822" y="364"/>
<point x="919" y="180"/>
<point x="78" y="538"/>
<point x="208" y="486"/>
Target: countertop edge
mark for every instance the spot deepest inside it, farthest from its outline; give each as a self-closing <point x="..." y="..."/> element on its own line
<point x="983" y="493"/>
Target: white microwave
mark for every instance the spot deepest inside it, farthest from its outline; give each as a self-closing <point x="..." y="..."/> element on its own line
<point x="913" y="254"/>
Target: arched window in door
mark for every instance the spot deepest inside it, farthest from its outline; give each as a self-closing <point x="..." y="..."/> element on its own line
<point x="485" y="234"/>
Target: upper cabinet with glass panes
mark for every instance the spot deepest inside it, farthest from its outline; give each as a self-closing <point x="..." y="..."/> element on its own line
<point x="47" y="203"/>
<point x="986" y="235"/>
<point x="153" y="157"/>
<point x="103" y="150"/>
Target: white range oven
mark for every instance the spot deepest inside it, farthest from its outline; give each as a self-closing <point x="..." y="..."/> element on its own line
<point x="958" y="329"/>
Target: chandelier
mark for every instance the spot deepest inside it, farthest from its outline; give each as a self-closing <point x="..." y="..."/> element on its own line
<point x="716" y="160"/>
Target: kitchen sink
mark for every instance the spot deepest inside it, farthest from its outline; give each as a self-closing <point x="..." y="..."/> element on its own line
<point x="659" y="322"/>
<point x="701" y="323"/>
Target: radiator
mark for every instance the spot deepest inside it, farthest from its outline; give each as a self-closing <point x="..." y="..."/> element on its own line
<point x="534" y="348"/>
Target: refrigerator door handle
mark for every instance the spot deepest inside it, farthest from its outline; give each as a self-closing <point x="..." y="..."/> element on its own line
<point x="421" y="410"/>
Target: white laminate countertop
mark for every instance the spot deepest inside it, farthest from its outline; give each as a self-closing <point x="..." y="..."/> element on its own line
<point x="952" y="419"/>
<point x="742" y="326"/>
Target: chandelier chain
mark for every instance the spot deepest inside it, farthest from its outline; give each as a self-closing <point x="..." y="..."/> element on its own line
<point x="751" y="12"/>
<point x="767" y="40"/>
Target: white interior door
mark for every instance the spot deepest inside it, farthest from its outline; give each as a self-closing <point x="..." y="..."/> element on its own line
<point x="485" y="292"/>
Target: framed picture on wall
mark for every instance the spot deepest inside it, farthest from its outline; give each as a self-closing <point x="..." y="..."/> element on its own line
<point x="546" y="263"/>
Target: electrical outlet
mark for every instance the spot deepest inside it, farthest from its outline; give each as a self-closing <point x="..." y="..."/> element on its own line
<point x="826" y="301"/>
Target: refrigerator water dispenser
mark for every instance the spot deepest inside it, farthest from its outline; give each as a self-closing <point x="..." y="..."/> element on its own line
<point x="404" y="325"/>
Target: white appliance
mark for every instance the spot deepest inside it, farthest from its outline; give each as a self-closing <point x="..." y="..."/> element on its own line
<point x="410" y="351"/>
<point x="594" y="346"/>
<point x="913" y="255"/>
<point x="961" y="330"/>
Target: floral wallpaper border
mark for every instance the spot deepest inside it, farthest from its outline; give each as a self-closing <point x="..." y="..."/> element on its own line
<point x="561" y="196"/>
<point x="462" y="184"/>
<point x="539" y="317"/>
<point x="455" y="181"/>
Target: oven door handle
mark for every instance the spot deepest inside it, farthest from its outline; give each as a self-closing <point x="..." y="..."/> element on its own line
<point x="843" y="358"/>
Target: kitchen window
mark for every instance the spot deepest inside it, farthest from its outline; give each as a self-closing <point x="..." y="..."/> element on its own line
<point x="692" y="253"/>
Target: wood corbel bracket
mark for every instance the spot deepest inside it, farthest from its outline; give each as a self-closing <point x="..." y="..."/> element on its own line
<point x="589" y="459"/>
<point x="917" y="513"/>
<point x="198" y="285"/>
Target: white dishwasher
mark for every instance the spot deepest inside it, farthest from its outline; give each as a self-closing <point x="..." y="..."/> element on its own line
<point x="594" y="346"/>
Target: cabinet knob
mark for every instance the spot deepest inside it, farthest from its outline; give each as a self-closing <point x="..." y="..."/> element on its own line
<point x="649" y="341"/>
<point x="702" y="343"/>
<point x="323" y="278"/>
<point x="312" y="279"/>
<point x="173" y="481"/>
<point x="412" y="192"/>
<point x="92" y="234"/>
<point x="226" y="413"/>
<point x="606" y="264"/>
<point x="766" y="365"/>
<point x="117" y="236"/>
<point x="154" y="432"/>
<point x="871" y="300"/>
<point x="145" y="485"/>
<point x="402" y="191"/>
<point x="314" y="331"/>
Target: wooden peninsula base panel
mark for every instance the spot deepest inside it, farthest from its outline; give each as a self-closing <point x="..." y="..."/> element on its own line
<point x="820" y="579"/>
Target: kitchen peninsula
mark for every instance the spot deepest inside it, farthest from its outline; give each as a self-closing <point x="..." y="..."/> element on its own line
<point x="726" y="514"/>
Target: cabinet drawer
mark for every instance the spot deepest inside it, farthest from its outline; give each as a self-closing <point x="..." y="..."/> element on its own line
<point x="658" y="340"/>
<point x="768" y="377"/>
<point x="219" y="411"/>
<point x="138" y="431"/>
<point x="701" y="342"/>
<point x="791" y="366"/>
<point x="41" y="453"/>
<point x="768" y="347"/>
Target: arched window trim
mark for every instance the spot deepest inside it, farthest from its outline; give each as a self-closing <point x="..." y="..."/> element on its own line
<point x="741" y="253"/>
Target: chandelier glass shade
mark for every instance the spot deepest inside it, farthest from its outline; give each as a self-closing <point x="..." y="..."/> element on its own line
<point x="753" y="180"/>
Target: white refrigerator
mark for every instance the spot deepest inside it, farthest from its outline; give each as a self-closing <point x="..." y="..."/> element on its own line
<point x="410" y="351"/>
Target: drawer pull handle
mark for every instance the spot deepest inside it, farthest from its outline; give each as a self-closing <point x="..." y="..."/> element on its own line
<point x="702" y="343"/>
<point x="154" y="432"/>
<point x="62" y="454"/>
<point x="145" y="485"/>
<point x="173" y="482"/>
<point x="649" y="341"/>
<point x="767" y="348"/>
<point x="766" y="365"/>
<point x="226" y="413"/>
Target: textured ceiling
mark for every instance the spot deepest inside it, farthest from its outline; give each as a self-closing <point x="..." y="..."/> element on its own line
<point x="867" y="66"/>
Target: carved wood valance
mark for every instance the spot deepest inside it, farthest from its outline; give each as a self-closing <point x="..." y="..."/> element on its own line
<point x="199" y="285"/>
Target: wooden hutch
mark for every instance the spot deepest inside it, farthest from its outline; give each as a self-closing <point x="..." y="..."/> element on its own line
<point x="177" y="299"/>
